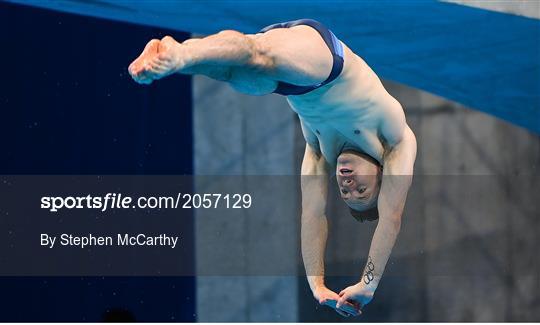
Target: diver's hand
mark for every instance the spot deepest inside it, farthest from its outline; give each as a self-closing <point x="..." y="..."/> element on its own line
<point x="159" y="59"/>
<point x="359" y="295"/>
<point x="329" y="298"/>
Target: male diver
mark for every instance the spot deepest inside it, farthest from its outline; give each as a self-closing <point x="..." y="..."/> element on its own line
<point x="352" y="126"/>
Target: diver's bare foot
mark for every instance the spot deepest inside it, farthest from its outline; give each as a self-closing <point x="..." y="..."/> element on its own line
<point x="159" y="59"/>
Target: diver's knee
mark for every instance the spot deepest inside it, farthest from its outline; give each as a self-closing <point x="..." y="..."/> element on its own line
<point x="230" y="33"/>
<point x="168" y="39"/>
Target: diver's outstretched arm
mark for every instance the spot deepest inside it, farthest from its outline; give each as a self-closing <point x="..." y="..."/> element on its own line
<point x="314" y="229"/>
<point x="397" y="178"/>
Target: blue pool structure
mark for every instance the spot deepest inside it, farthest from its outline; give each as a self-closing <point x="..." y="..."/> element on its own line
<point x="482" y="59"/>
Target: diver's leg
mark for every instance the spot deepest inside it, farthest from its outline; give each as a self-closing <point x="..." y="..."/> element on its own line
<point x="226" y="56"/>
<point x="296" y="55"/>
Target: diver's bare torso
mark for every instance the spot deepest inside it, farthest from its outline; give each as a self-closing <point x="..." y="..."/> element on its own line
<point x="349" y="112"/>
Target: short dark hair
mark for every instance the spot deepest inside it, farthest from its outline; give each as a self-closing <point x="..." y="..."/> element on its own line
<point x="370" y="214"/>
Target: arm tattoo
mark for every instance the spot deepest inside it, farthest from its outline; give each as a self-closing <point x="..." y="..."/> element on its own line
<point x="368" y="271"/>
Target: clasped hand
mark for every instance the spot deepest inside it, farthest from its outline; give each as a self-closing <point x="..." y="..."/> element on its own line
<point x="349" y="302"/>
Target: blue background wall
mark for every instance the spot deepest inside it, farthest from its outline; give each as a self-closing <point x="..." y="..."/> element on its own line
<point x="69" y="107"/>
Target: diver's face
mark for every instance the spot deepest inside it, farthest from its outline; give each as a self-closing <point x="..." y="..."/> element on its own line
<point x="358" y="180"/>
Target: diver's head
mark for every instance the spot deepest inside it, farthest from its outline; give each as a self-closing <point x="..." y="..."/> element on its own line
<point x="359" y="179"/>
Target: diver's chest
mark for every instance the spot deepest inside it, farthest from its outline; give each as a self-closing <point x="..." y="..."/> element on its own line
<point x="333" y="136"/>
